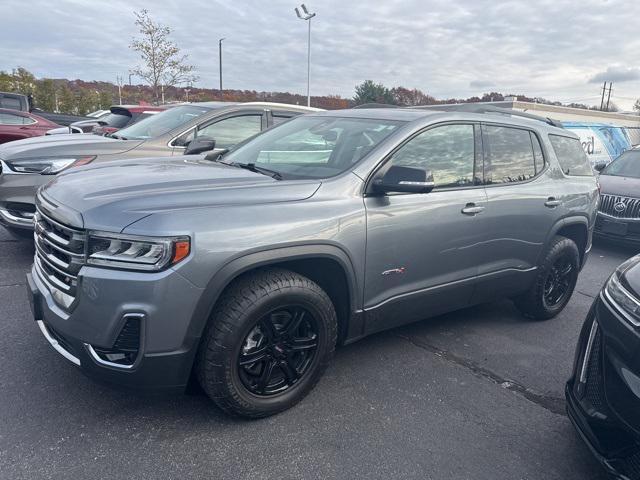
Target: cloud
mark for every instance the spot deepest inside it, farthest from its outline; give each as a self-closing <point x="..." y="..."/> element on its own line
<point x="616" y="74"/>
<point x="481" y="84"/>
<point x="446" y="49"/>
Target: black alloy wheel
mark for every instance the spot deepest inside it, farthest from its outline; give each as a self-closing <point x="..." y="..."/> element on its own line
<point x="278" y="351"/>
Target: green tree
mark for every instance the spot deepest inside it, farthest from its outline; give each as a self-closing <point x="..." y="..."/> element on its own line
<point x="370" y="92"/>
<point x="23" y="81"/>
<point x="162" y="62"/>
<point x="45" y="95"/>
<point x="6" y="81"/>
<point x="105" y="100"/>
<point x="66" y="100"/>
<point x="86" y="101"/>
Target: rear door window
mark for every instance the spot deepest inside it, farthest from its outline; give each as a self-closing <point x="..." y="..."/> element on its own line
<point x="571" y="156"/>
<point x="509" y="155"/>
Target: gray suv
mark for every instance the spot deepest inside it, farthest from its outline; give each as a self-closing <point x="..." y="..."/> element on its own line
<point x="245" y="270"/>
<point x="191" y="128"/>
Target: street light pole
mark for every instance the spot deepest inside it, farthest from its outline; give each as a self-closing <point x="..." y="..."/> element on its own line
<point x="220" y="58"/>
<point x="307" y="16"/>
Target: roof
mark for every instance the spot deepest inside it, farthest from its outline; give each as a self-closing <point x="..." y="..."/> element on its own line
<point x="402" y="114"/>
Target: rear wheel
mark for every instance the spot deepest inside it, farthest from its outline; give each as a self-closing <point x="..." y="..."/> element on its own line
<point x="267" y="343"/>
<point x="556" y="279"/>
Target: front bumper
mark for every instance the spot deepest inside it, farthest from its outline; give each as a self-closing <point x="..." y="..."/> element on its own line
<point x="603" y="400"/>
<point x="163" y="303"/>
<point x="622" y="230"/>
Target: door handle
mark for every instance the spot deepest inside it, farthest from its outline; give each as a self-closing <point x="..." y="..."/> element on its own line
<point x="472" y="209"/>
<point x="552" y="202"/>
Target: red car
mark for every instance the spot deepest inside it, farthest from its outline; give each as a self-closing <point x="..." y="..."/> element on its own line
<point x="16" y="125"/>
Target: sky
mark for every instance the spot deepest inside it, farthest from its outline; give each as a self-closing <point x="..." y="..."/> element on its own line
<point x="561" y="49"/>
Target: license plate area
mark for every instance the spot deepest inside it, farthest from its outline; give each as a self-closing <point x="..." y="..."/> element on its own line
<point x="615" y="228"/>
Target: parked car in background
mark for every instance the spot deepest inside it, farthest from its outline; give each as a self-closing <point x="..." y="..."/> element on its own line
<point x="98" y="113"/>
<point x="190" y="128"/>
<point x="118" y="117"/>
<point x="16" y="125"/>
<point x="247" y="269"/>
<point x="603" y="394"/>
<point x="619" y="210"/>
<point x="15" y="101"/>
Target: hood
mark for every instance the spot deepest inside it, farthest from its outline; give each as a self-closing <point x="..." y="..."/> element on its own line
<point x="623" y="186"/>
<point x="112" y="195"/>
<point x="60" y="145"/>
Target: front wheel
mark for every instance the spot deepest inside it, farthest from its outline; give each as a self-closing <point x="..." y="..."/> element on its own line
<point x="267" y="343"/>
<point x="555" y="281"/>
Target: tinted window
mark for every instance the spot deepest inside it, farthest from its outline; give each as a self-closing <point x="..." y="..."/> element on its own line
<point x="508" y="155"/>
<point x="116" y="120"/>
<point x="571" y="156"/>
<point x="231" y="131"/>
<point x="162" y="123"/>
<point x="314" y="147"/>
<point x="10" y="103"/>
<point x="278" y="119"/>
<point x="447" y="151"/>
<point x="9" y="119"/>
<point x="626" y="165"/>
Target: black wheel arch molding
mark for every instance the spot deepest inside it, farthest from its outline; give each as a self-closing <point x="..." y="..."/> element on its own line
<point x="570" y="226"/>
<point x="265" y="257"/>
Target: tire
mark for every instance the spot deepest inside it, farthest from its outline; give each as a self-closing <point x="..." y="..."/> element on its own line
<point x="245" y="325"/>
<point x="536" y="303"/>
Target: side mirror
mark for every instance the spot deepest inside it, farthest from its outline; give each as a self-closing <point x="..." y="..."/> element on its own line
<point x="200" y="145"/>
<point x="598" y="167"/>
<point x="404" y="179"/>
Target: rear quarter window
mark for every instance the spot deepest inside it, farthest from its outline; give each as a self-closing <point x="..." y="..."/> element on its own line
<point x="571" y="156"/>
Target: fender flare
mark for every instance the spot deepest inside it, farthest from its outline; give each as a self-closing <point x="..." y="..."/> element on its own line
<point x="262" y="258"/>
<point x="564" y="222"/>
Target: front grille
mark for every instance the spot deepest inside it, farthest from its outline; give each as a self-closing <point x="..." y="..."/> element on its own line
<point x="595" y="380"/>
<point x="60" y="253"/>
<point x="612" y="205"/>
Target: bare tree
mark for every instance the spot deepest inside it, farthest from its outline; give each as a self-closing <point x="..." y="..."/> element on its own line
<point x="163" y="64"/>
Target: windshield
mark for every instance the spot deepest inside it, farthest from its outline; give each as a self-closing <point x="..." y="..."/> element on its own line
<point x="161" y="123"/>
<point x="626" y="165"/>
<point x="313" y="147"/>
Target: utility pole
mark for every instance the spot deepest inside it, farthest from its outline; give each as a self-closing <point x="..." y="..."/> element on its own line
<point x="604" y="89"/>
<point x="220" y="61"/>
<point x="609" y="96"/>
<point x="130" y="75"/>
<point x="119" y="80"/>
<point x="307" y="16"/>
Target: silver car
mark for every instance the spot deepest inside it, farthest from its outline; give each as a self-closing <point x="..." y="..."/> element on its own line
<point x="246" y="270"/>
<point x="25" y="165"/>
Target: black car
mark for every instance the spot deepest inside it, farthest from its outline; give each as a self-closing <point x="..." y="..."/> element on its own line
<point x="603" y="394"/>
<point x="619" y="210"/>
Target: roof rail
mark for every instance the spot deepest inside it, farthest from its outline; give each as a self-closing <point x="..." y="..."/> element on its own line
<point x="375" y="105"/>
<point x="475" y="108"/>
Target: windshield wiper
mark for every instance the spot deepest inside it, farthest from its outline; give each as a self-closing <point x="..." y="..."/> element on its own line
<point x="254" y="168"/>
<point x="119" y="137"/>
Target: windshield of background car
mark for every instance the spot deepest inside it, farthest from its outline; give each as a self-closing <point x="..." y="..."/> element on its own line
<point x="161" y="123"/>
<point x="116" y="120"/>
<point x="626" y="165"/>
<point x="314" y="147"/>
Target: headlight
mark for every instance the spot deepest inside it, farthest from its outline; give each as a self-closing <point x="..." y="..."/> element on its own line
<point x="47" y="166"/>
<point x="626" y="301"/>
<point x="133" y="252"/>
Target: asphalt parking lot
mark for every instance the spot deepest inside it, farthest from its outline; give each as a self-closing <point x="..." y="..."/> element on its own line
<point x="477" y="394"/>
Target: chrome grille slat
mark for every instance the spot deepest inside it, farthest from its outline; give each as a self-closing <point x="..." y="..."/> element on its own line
<point x="608" y="204"/>
<point x="60" y="254"/>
